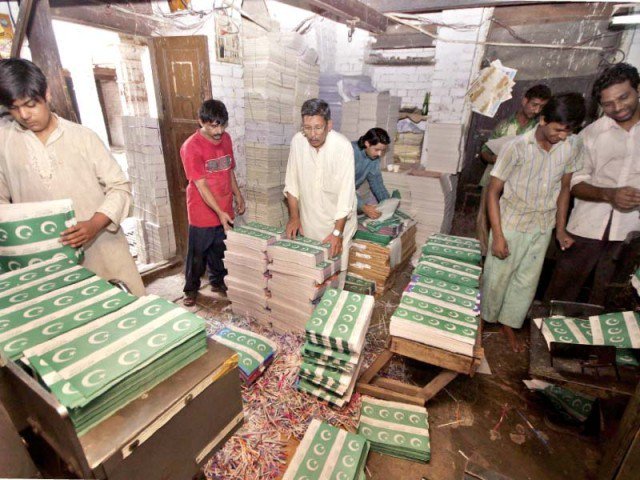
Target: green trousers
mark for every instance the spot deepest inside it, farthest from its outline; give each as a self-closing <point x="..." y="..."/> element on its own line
<point x="509" y="285"/>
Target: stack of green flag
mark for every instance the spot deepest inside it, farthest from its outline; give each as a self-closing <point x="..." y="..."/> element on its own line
<point x="30" y="233"/>
<point x="440" y="306"/>
<point x="255" y="351"/>
<point x="452" y="247"/>
<point x="100" y="367"/>
<point x="357" y="284"/>
<point x="328" y="452"/>
<point x="620" y="329"/>
<point x="332" y="353"/>
<point x="395" y="428"/>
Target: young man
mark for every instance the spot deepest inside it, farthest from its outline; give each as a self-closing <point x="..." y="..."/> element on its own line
<point x="367" y="152"/>
<point x="207" y="157"/>
<point x="607" y="189"/>
<point x="525" y="119"/>
<point x="319" y="183"/>
<point x="45" y="157"/>
<point x="533" y="174"/>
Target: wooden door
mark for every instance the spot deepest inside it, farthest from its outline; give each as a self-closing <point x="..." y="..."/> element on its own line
<point x="183" y="82"/>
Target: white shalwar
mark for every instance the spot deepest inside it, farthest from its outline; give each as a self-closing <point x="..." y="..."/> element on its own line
<point x="323" y="181"/>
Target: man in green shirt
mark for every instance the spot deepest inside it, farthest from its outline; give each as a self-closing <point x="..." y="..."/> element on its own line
<point x="520" y="122"/>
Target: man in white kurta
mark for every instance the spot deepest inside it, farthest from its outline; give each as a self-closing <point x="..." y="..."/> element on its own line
<point x="320" y="178"/>
<point x="71" y="163"/>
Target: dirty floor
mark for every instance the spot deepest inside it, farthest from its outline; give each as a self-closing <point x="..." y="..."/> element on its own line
<point x="477" y="420"/>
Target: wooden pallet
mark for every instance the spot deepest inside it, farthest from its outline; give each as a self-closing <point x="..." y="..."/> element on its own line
<point x="452" y="365"/>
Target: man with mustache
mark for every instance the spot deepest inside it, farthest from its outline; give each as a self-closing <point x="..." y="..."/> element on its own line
<point x="607" y="189"/>
<point x="207" y="157"/>
<point x="320" y="183"/>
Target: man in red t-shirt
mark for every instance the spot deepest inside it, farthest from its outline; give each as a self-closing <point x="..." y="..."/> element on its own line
<point x="207" y="157"/>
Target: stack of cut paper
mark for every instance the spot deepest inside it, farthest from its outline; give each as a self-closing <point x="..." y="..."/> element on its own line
<point x="328" y="452"/>
<point x="378" y="257"/>
<point x="28" y="324"/>
<point x="255" y="351"/>
<point x="30" y="233"/>
<point x="395" y="429"/>
<point x="332" y="353"/>
<point x="300" y="272"/>
<point x="428" y="197"/>
<point x="247" y="266"/>
<point x="100" y="367"/>
<point x="620" y="329"/>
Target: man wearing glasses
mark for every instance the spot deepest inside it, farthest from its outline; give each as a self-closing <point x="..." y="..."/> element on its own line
<point x="320" y="182"/>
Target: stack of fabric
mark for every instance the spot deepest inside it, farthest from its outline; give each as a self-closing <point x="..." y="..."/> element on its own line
<point x="441" y="303"/>
<point x="380" y="249"/>
<point x="255" y="352"/>
<point x="83" y="298"/>
<point x="328" y="452"/>
<point x="428" y="197"/>
<point x="300" y="272"/>
<point x="98" y="368"/>
<point x="30" y="233"/>
<point x="247" y="266"/>
<point x="372" y="109"/>
<point x="332" y="353"/>
<point x="619" y="329"/>
<point x="395" y="429"/>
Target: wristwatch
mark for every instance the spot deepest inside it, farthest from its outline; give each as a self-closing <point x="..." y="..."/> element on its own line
<point x="337" y="233"/>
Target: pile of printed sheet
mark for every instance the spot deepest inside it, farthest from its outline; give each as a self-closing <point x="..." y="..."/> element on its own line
<point x="328" y="452"/>
<point x="300" y="272"/>
<point x="332" y="352"/>
<point x="428" y="197"/>
<point x="396" y="429"/>
<point x="280" y="73"/>
<point x="441" y="303"/>
<point x="248" y="268"/>
<point x="619" y="329"/>
<point x="98" y="368"/>
<point x="30" y="233"/>
<point x="255" y="352"/>
<point x="380" y="249"/>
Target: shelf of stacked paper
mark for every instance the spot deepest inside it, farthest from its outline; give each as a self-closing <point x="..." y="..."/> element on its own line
<point x="247" y="264"/>
<point x="381" y="248"/>
<point x="396" y="429"/>
<point x="255" y="352"/>
<point x="100" y="367"/>
<point x="328" y="452"/>
<point x="48" y="299"/>
<point x="300" y="272"/>
<point x="332" y="353"/>
<point x="620" y="330"/>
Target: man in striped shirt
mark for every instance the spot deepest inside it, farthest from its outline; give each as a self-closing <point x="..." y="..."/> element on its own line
<point x="533" y="174"/>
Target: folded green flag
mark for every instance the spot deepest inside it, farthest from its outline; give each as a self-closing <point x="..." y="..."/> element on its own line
<point x="30" y="233"/>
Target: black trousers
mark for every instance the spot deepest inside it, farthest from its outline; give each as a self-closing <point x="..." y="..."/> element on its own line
<point x="574" y="266"/>
<point x="205" y="251"/>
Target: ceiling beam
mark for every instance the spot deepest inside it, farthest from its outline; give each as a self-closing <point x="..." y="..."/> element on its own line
<point x="344" y="11"/>
<point x="133" y="18"/>
<point x="429" y="6"/>
<point x="400" y="36"/>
